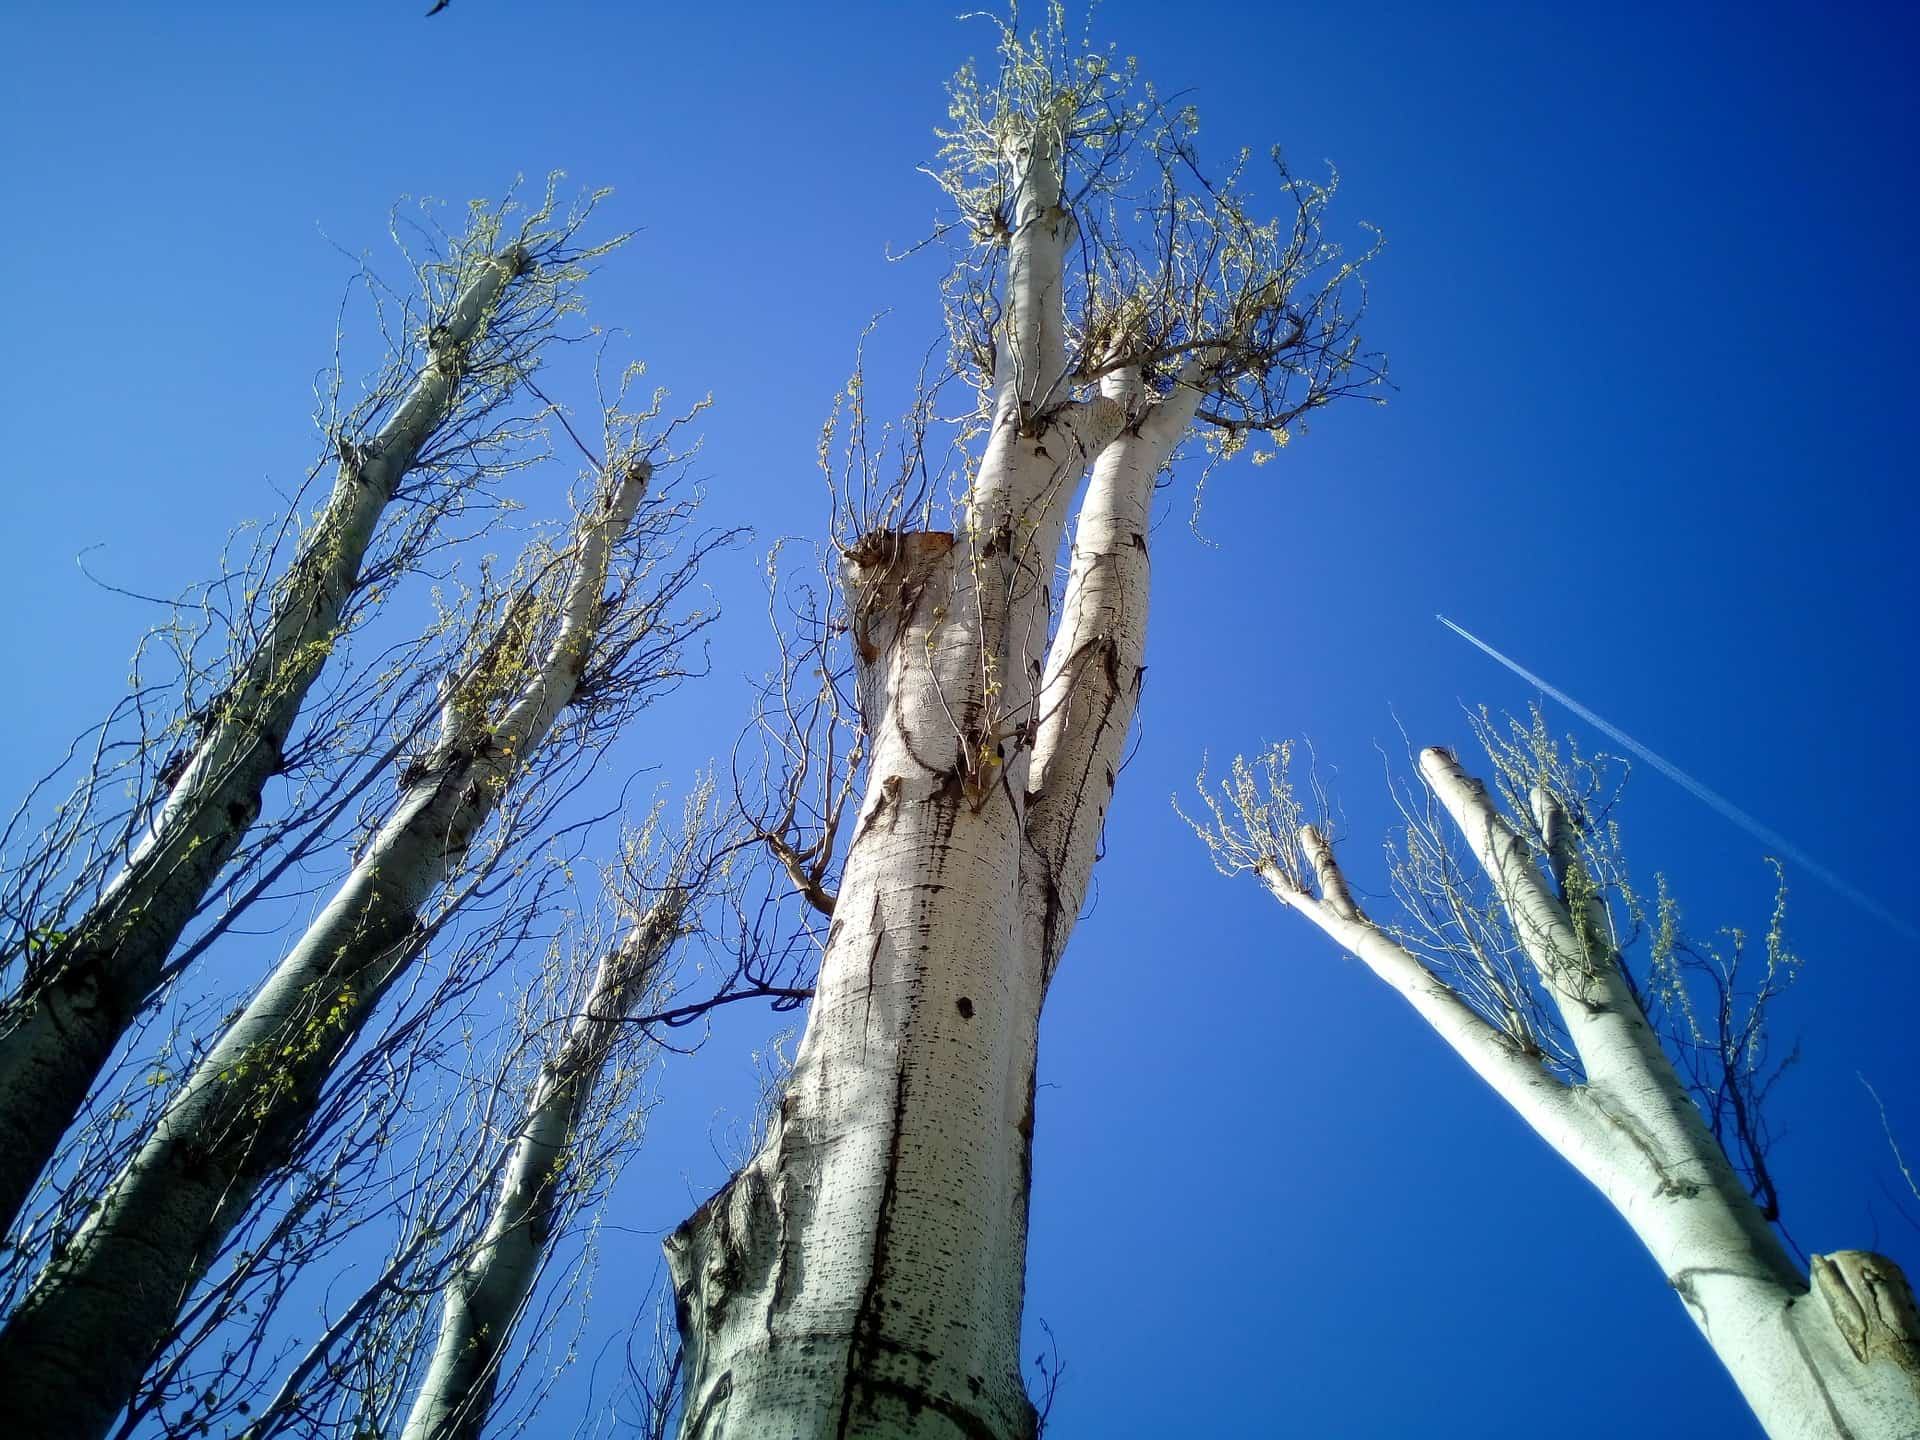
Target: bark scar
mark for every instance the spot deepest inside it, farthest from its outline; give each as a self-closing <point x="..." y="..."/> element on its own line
<point x="873" y="960"/>
<point x="865" y="1338"/>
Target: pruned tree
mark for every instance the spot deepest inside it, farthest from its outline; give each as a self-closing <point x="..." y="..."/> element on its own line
<point x="1520" y="956"/>
<point x="439" y="1339"/>
<point x="584" y="634"/>
<point x="148" y="841"/>
<point x="391" y="1145"/>
<point x="483" y="1303"/>
<point x="863" y="1274"/>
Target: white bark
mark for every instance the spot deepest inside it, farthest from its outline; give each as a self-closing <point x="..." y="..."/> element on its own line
<point x="1091" y="689"/>
<point x="73" y="1353"/>
<point x="485" y="1300"/>
<point x="1517" y="1078"/>
<point x="1835" y="1360"/>
<point x="56" y="1036"/>
<point x="864" y="1274"/>
<point x="1030" y="363"/>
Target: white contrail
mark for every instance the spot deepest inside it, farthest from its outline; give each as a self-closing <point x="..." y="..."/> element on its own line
<point x="1686" y="782"/>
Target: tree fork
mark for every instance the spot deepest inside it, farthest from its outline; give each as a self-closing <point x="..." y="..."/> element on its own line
<point x="864" y="1274"/>
<point x="1836" y="1357"/>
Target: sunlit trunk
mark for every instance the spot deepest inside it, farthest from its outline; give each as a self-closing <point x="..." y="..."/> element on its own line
<point x="73" y="1353"/>
<point x="486" y="1297"/>
<point x="57" y="1034"/>
<point x="1839" y="1360"/>
<point x="864" y="1274"/>
<point x="1834" y="1359"/>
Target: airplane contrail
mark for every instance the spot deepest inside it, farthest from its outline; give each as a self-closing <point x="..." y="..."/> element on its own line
<point x="1718" y="802"/>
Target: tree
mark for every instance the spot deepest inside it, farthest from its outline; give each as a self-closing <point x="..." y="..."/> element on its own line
<point x="73" y="1352"/>
<point x="95" y="905"/>
<point x="442" y="1331"/>
<point x="1651" y="1087"/>
<point x="484" y="1301"/>
<point x="863" y="1273"/>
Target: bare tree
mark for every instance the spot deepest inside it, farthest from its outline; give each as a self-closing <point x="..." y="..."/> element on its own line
<point x="96" y="900"/>
<point x="494" y="1284"/>
<point x="1651" y="1086"/>
<point x="440" y="1338"/>
<point x="863" y="1274"/>
<point x="562" y="644"/>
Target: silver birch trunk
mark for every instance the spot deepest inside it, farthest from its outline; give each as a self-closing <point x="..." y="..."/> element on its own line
<point x="487" y="1295"/>
<point x="1834" y="1359"/>
<point x="73" y="1353"/>
<point x="57" y="1035"/>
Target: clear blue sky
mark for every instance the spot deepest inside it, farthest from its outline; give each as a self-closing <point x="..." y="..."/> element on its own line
<point x="1649" y="298"/>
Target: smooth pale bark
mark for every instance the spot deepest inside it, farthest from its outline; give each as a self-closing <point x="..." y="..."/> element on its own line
<point x="864" y="1274"/>
<point x="72" y="1355"/>
<point x="1541" y="1100"/>
<point x="1837" y="1359"/>
<point x="58" y="1032"/>
<point x="1030" y="357"/>
<point x="1669" y="1179"/>
<point x="487" y="1296"/>
<point x="1091" y="690"/>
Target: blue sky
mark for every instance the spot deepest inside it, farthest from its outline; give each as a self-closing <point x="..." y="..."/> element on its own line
<point x="1649" y="299"/>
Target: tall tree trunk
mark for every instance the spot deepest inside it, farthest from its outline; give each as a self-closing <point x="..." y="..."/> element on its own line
<point x="1834" y="1359"/>
<point x="1650" y="1153"/>
<point x="864" y="1274"/>
<point x="1097" y="663"/>
<point x="73" y="1353"/>
<point x="78" y="1000"/>
<point x="485" y="1300"/>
